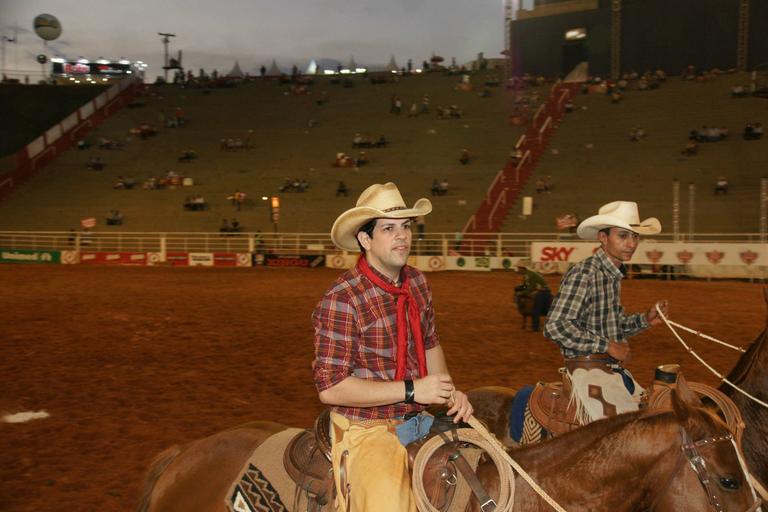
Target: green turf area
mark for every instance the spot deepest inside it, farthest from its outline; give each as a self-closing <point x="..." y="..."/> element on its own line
<point x="422" y="148"/>
<point x="615" y="168"/>
<point x="29" y="110"/>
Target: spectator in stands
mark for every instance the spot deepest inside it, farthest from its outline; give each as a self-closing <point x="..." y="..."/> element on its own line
<point x="95" y="164"/>
<point x="515" y="156"/>
<point x="81" y="144"/>
<point x="435" y="187"/>
<point x="224" y="226"/>
<point x="616" y="97"/>
<point x="443" y="187"/>
<point x="414" y="110"/>
<point x="721" y="185"/>
<point x="568" y="107"/>
<point x="179" y="115"/>
<point x="361" y="160"/>
<point x="115" y="218"/>
<point x="636" y="134"/>
<point x="119" y="184"/>
<point x="357" y="140"/>
<point x="382" y="142"/>
<point x="424" y="104"/>
<point x="341" y="189"/>
<point x="691" y="148"/>
<point x="464" y="157"/>
<point x="237" y="199"/>
<point x="540" y="186"/>
<point x="548" y="184"/>
<point x="753" y="131"/>
<point x="187" y="156"/>
<point x="195" y="203"/>
<point x="739" y="91"/>
<point x="396" y="106"/>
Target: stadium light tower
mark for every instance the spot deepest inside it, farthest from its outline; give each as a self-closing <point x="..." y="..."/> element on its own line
<point x="166" y="39"/>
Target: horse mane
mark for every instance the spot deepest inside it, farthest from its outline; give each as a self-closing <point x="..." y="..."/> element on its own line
<point x="746" y="362"/>
<point x="157" y="467"/>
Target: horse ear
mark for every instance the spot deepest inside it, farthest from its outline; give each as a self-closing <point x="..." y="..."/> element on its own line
<point x="681" y="409"/>
<point x="686" y="394"/>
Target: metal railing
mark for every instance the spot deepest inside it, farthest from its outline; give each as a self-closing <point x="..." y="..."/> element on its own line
<point x="474" y="244"/>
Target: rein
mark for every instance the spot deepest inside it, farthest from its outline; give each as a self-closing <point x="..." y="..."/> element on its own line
<point x="702" y="361"/>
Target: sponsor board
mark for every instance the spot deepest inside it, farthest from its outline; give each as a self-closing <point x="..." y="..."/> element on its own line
<point x="200" y="259"/>
<point x="155" y="258"/>
<point x="661" y="253"/>
<point x="26" y="256"/>
<point x="244" y="259"/>
<point x="70" y="257"/>
<point x="341" y="261"/>
<point x="177" y="259"/>
<point x="481" y="263"/>
<point x="113" y="258"/>
<point x="309" y="261"/>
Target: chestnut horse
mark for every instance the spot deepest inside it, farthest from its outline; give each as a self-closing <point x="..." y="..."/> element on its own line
<point x="493" y="404"/>
<point x="630" y="462"/>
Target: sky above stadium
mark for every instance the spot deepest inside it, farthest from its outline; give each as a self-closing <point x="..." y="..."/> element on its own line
<point x="215" y="33"/>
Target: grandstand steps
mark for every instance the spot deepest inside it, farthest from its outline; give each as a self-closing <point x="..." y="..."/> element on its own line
<point x="615" y="168"/>
<point x="284" y="146"/>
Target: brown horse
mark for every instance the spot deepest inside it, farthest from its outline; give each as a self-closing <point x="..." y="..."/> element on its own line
<point x="492" y="405"/>
<point x="630" y="462"/>
<point x="635" y="461"/>
<point x="751" y="375"/>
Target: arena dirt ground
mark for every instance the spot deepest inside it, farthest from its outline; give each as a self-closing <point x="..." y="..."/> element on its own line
<point x="129" y="360"/>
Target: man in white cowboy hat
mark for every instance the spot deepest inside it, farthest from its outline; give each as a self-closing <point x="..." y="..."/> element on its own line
<point x="378" y="360"/>
<point x="587" y="320"/>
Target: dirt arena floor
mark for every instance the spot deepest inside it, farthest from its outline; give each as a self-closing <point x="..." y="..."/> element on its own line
<point x="129" y="360"/>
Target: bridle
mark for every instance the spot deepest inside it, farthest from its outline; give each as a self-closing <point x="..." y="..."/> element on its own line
<point x="690" y="451"/>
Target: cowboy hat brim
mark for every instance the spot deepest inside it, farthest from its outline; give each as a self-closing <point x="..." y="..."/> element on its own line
<point x="344" y="230"/>
<point x="588" y="229"/>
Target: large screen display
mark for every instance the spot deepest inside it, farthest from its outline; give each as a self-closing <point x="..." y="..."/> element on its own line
<point x="91" y="68"/>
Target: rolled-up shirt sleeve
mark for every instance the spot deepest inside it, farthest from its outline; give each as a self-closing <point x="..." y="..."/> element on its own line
<point x="336" y="334"/>
<point x="633" y="324"/>
<point x="565" y="321"/>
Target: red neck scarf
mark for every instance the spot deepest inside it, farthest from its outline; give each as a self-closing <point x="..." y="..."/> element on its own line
<point x="405" y="302"/>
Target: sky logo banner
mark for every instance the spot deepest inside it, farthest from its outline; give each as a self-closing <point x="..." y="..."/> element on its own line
<point x="25" y="256"/>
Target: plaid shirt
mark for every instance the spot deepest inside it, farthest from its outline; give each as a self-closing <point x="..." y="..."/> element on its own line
<point x="355" y="334"/>
<point x="587" y="313"/>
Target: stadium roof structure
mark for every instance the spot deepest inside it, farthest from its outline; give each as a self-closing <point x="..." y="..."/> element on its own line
<point x="392" y="66"/>
<point x="273" y="69"/>
<point x="236" y="71"/>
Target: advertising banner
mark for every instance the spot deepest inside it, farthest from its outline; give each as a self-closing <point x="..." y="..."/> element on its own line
<point x="482" y="263"/>
<point x="25" y="256"/>
<point x="661" y="253"/>
<point x="308" y="261"/>
<point x="113" y="258"/>
<point x="177" y="259"/>
<point x="341" y="261"/>
<point x="200" y="259"/>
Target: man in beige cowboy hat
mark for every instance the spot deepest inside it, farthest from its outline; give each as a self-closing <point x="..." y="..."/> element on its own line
<point x="587" y="320"/>
<point x="378" y="360"/>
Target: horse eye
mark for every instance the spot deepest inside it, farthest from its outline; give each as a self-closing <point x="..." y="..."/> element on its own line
<point x="730" y="483"/>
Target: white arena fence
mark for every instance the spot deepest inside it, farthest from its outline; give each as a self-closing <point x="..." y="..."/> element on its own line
<point x="740" y="255"/>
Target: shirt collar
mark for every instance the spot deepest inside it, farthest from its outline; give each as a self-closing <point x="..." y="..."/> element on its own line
<point x="607" y="265"/>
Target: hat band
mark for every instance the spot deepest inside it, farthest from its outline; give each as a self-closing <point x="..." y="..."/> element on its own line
<point x="395" y="209"/>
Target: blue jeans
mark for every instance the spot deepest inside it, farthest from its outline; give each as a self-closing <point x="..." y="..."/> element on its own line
<point x="414" y="429"/>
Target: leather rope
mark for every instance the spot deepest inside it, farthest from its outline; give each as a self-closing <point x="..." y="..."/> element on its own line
<point x="702" y="361"/>
<point x="479" y="436"/>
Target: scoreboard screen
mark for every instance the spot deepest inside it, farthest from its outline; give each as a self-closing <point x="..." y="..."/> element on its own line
<point x="91" y="68"/>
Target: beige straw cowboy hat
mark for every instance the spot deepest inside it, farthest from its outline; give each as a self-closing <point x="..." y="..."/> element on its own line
<point x="618" y="214"/>
<point x="377" y="201"/>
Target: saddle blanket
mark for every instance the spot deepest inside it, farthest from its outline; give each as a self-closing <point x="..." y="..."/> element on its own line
<point x="264" y="485"/>
<point x="523" y="428"/>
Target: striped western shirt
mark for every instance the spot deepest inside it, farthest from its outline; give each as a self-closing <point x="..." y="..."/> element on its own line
<point x="356" y="335"/>
<point x="587" y="313"/>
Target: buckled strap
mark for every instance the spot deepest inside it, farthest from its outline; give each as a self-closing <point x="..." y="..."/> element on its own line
<point x="487" y="504"/>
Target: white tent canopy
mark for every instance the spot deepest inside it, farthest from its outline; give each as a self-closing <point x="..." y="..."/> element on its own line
<point x="273" y="69"/>
<point x="236" y="71"/>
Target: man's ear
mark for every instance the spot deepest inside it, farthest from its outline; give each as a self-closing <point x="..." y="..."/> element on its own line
<point x="364" y="240"/>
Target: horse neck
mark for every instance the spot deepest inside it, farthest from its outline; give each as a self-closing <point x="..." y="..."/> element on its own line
<point x="751" y="370"/>
<point x="627" y="459"/>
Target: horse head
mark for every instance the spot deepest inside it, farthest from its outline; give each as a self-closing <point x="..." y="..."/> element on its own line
<point x="709" y="473"/>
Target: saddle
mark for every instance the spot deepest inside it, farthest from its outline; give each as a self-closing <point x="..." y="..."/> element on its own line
<point x="550" y="403"/>
<point x="307" y="460"/>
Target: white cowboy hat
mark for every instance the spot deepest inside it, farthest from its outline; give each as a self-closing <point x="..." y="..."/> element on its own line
<point x="377" y="201"/>
<point x="619" y="214"/>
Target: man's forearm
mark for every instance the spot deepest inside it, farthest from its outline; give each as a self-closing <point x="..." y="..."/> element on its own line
<point x="355" y="392"/>
<point x="436" y="361"/>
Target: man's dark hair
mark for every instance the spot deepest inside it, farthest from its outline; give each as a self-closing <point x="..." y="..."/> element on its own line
<point x="607" y="231"/>
<point x="366" y="228"/>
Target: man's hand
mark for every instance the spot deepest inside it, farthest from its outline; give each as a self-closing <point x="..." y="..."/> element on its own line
<point x="618" y="351"/>
<point x="460" y="406"/>
<point x="433" y="389"/>
<point x="653" y="316"/>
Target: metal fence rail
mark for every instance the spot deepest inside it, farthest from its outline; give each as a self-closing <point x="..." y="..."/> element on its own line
<point x="445" y="244"/>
